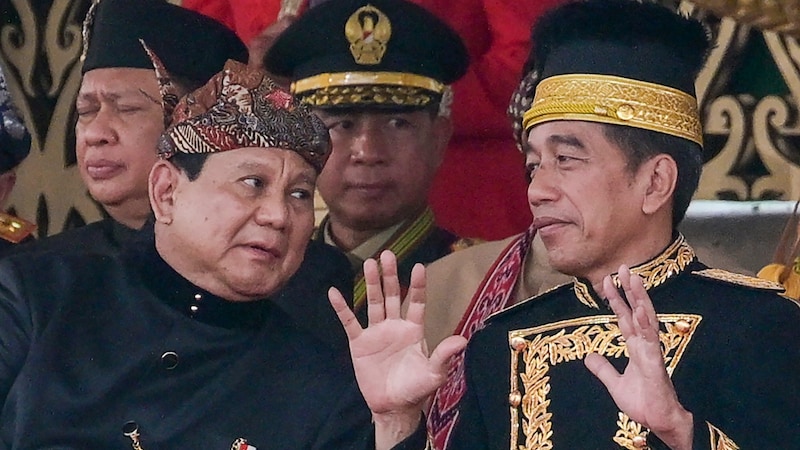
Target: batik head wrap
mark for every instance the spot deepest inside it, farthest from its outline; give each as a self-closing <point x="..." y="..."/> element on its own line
<point x="241" y="107"/>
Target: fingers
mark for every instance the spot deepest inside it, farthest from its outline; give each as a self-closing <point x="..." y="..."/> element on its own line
<point x="351" y="326"/>
<point x="620" y="308"/>
<point x="416" y="295"/>
<point x="440" y="358"/>
<point x="375" y="304"/>
<point x="602" y="369"/>
<point x="391" y="285"/>
<point x="643" y="302"/>
<point x="644" y="319"/>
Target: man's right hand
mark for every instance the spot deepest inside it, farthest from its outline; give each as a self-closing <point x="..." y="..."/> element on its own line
<point x="390" y="358"/>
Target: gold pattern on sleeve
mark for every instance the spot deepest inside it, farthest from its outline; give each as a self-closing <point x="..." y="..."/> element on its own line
<point x="535" y="350"/>
<point x="719" y="441"/>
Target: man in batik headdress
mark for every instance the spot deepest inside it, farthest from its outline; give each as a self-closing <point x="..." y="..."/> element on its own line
<point x="176" y="342"/>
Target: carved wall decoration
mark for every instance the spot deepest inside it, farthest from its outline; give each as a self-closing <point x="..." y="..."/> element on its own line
<point x="40" y="43"/>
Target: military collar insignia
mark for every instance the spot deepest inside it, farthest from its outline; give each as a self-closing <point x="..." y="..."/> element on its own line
<point x="368" y="30"/>
<point x="668" y="264"/>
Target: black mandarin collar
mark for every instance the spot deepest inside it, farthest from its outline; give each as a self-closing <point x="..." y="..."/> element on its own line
<point x="179" y="293"/>
<point x="671" y="262"/>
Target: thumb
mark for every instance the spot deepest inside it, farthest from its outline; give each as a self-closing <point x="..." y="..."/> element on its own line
<point x="602" y="369"/>
<point x="440" y="358"/>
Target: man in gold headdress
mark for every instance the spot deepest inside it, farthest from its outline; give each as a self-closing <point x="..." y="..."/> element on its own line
<point x="647" y="347"/>
<point x="377" y="73"/>
<point x="175" y="341"/>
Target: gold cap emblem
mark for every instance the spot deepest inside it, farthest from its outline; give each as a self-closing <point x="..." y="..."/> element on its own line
<point x="368" y="30"/>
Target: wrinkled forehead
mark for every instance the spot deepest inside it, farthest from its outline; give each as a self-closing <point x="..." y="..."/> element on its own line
<point x="119" y="81"/>
<point x="575" y="134"/>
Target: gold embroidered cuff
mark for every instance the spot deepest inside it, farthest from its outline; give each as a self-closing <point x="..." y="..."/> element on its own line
<point x="616" y="100"/>
<point x="326" y="80"/>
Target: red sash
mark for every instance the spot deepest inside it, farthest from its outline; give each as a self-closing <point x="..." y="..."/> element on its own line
<point x="493" y="294"/>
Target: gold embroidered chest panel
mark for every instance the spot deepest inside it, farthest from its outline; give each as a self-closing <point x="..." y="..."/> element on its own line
<point x="534" y="351"/>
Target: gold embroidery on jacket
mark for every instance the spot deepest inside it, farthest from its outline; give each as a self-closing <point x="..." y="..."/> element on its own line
<point x="631" y="433"/>
<point x="535" y="350"/>
<point x="583" y="294"/>
<point x="672" y="261"/>
<point x="719" y="441"/>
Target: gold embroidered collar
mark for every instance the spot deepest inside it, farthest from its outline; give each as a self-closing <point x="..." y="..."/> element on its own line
<point x="669" y="263"/>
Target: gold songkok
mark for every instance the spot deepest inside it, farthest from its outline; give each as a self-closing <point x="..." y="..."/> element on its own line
<point x="615" y="100"/>
<point x="617" y="62"/>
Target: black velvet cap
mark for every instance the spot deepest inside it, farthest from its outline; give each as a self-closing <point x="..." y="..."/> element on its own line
<point x="15" y="141"/>
<point x="372" y="38"/>
<point x="191" y="45"/>
<point x="624" y="62"/>
<point x="639" y="40"/>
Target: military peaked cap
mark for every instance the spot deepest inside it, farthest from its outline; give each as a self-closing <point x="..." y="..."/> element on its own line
<point x="376" y="53"/>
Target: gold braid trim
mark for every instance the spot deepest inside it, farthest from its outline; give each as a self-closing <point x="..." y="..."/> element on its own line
<point x="719" y="441"/>
<point x="368" y="95"/>
<point x="669" y="263"/>
<point x="326" y="80"/>
<point x="616" y="100"/>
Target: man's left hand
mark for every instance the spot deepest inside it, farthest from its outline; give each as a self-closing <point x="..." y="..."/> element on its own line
<point x="644" y="390"/>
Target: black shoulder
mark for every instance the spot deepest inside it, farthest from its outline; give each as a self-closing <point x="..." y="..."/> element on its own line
<point x="724" y="277"/>
<point x="527" y="303"/>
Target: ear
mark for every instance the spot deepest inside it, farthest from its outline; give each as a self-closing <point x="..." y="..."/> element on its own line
<point x="7" y="182"/>
<point x="443" y="130"/>
<point x="162" y="184"/>
<point x="661" y="176"/>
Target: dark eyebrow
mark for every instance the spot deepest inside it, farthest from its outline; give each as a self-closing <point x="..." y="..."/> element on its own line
<point x="568" y="140"/>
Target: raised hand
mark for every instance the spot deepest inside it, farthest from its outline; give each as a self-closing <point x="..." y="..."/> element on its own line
<point x="643" y="391"/>
<point x="390" y="358"/>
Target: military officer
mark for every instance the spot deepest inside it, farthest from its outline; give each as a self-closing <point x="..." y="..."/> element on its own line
<point x="377" y="73"/>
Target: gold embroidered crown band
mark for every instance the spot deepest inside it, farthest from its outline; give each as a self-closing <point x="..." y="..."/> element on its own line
<point x="326" y="80"/>
<point x="616" y="100"/>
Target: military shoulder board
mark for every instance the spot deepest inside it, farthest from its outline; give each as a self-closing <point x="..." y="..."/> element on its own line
<point x="739" y="279"/>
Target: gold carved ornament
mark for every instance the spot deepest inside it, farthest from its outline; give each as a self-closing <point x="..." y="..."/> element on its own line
<point x="615" y="100"/>
<point x="535" y="350"/>
<point x="782" y="16"/>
